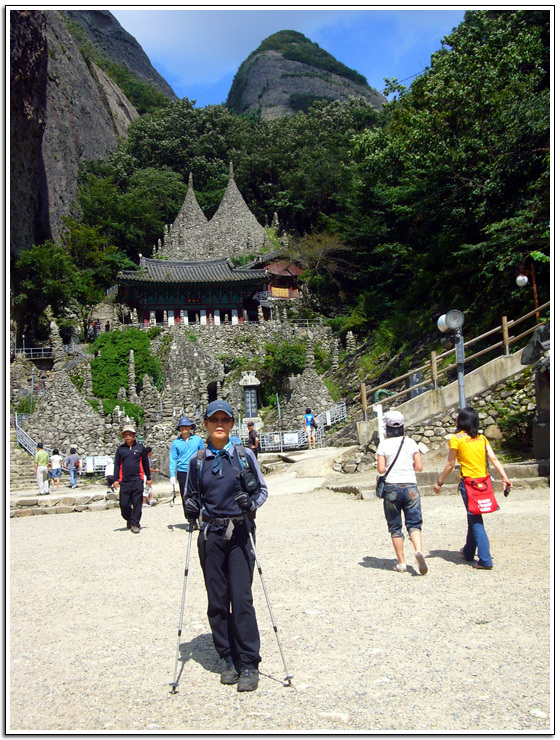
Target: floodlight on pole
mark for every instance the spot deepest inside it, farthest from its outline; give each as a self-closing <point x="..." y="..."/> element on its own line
<point x="451" y="323"/>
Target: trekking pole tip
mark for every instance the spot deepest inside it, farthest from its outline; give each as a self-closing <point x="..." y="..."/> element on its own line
<point x="173" y="687"/>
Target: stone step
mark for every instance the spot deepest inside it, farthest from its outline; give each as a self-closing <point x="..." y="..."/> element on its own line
<point x="366" y="489"/>
<point x="530" y="469"/>
<point x="92" y="498"/>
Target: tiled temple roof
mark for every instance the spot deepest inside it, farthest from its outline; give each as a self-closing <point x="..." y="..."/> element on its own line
<point x="200" y="272"/>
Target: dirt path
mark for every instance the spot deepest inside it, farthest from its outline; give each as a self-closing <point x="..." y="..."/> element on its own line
<point x="94" y="612"/>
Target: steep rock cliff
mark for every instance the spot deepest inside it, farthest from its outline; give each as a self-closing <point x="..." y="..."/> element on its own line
<point x="104" y="30"/>
<point x="288" y="72"/>
<point x="63" y="113"/>
<point x="28" y="100"/>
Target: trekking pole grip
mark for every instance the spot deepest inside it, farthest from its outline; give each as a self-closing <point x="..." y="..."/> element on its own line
<point x="247" y="520"/>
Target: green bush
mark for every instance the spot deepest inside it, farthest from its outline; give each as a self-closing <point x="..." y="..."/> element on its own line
<point x="517" y="429"/>
<point x="24" y="406"/>
<point x="323" y="359"/>
<point x="109" y="369"/>
<point x="154" y="331"/>
<point x="304" y="101"/>
<point x="282" y="359"/>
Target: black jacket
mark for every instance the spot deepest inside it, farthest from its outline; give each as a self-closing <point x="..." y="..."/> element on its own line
<point x="132" y="464"/>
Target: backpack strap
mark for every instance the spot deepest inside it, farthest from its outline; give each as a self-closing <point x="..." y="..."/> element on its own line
<point x="242" y="456"/>
<point x="200" y="455"/>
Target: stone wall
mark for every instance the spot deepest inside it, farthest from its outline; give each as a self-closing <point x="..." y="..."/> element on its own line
<point x="196" y="363"/>
<point x="516" y="395"/>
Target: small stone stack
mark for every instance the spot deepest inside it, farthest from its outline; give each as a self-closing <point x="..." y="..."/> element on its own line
<point x="306" y="390"/>
<point x="132" y="395"/>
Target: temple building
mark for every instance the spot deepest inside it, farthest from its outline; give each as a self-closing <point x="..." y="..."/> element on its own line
<point x="205" y="292"/>
<point x="193" y="279"/>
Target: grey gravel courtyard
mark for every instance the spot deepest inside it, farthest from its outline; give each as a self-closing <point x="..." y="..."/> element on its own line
<point x="93" y="615"/>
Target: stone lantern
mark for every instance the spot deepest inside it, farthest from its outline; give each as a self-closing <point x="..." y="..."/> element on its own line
<point x="249" y="382"/>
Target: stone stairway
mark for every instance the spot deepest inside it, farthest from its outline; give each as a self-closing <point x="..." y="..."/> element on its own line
<point x="103" y="312"/>
<point x="523" y="475"/>
<point x="22" y="473"/>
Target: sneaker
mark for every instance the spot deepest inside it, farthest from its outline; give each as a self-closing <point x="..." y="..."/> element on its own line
<point x="422" y="567"/>
<point x="479" y="566"/>
<point x="135" y="529"/>
<point x="400" y="567"/>
<point x="248" y="679"/>
<point x="229" y="675"/>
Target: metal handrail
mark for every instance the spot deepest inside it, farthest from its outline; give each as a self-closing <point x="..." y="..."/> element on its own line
<point x="447" y="353"/>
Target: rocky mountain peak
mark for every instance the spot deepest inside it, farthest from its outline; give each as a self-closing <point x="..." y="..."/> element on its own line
<point x="288" y="72"/>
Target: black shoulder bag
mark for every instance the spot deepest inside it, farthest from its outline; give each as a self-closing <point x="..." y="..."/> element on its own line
<point x="380" y="485"/>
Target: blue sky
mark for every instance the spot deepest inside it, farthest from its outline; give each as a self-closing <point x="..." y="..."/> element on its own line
<point x="198" y="50"/>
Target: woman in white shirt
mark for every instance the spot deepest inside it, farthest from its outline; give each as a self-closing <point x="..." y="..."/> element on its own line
<point x="56" y="468"/>
<point x="401" y="494"/>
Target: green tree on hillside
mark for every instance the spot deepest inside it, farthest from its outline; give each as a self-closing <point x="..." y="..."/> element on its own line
<point x="454" y="190"/>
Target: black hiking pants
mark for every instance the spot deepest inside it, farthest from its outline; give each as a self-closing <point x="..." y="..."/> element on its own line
<point x="228" y="567"/>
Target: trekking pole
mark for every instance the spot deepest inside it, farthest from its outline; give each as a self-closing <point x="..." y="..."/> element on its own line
<point x="179" y="630"/>
<point x="287" y="680"/>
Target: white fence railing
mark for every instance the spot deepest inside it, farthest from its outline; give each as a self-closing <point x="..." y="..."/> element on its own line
<point x="293" y="439"/>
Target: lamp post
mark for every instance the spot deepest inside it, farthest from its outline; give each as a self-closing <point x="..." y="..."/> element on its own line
<point x="522" y="279"/>
<point x="451" y="322"/>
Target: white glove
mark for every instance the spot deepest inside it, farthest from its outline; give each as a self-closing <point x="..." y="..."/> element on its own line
<point x="172" y="480"/>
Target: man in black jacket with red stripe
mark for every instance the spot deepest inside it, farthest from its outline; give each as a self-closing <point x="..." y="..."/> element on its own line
<point x="131" y="464"/>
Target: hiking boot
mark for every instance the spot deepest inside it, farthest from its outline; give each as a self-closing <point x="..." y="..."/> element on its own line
<point x="135" y="529"/>
<point x="229" y="675"/>
<point x="248" y="679"/>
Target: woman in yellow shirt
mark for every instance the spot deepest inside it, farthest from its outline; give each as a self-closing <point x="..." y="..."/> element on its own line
<point x="469" y="448"/>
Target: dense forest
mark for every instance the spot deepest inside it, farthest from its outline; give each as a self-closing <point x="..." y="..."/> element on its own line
<point x="435" y="200"/>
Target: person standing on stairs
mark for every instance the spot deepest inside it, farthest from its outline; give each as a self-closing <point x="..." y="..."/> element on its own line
<point x="42" y="469"/>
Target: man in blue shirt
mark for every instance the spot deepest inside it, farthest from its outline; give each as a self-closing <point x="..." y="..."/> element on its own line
<point x="182" y="449"/>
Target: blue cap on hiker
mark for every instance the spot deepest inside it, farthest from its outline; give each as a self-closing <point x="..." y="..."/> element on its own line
<point x="219" y="406"/>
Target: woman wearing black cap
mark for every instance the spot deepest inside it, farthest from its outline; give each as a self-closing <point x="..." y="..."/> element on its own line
<point x="217" y="494"/>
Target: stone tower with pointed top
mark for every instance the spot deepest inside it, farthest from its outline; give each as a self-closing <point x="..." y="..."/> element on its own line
<point x="233" y="229"/>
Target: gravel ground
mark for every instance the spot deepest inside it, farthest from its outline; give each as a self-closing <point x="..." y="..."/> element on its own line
<point x="94" y="611"/>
